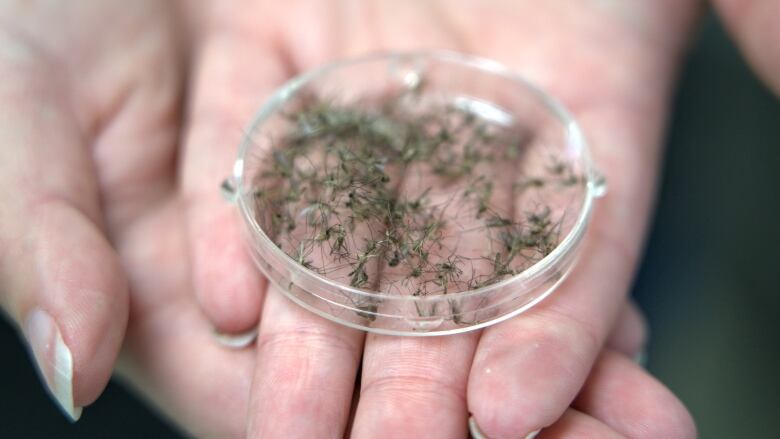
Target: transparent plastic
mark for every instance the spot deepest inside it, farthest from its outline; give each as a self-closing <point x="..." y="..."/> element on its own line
<point x="480" y="88"/>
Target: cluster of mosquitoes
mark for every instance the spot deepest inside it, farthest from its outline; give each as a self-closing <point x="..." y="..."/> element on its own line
<point x="383" y="195"/>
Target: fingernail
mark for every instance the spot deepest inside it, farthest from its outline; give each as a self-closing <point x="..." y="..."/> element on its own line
<point x="641" y="358"/>
<point x="476" y="433"/>
<point x="236" y="341"/>
<point x="53" y="358"/>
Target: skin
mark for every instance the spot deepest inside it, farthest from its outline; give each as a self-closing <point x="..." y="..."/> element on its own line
<point x="120" y="235"/>
<point x="628" y="75"/>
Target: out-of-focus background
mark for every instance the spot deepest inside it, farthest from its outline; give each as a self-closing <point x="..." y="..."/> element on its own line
<point x="707" y="282"/>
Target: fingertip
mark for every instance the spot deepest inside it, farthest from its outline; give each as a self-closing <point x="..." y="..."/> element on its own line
<point x="632" y="401"/>
<point x="74" y="307"/>
<point x="236" y="341"/>
<point x="492" y="427"/>
<point x="477" y="433"/>
<point x="575" y="424"/>
<point x="233" y="309"/>
<point x="629" y="334"/>
<point x="664" y="416"/>
<point x="527" y="374"/>
<point x="498" y="414"/>
<point x="681" y="426"/>
<point x="53" y="359"/>
<point x="228" y="286"/>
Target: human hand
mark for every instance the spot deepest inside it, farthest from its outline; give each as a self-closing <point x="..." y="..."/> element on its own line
<point x="89" y="98"/>
<point x="611" y="63"/>
<point x="754" y="27"/>
<point x="170" y="354"/>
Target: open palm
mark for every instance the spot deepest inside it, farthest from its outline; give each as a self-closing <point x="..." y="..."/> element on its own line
<point x="175" y="240"/>
<point x="610" y="63"/>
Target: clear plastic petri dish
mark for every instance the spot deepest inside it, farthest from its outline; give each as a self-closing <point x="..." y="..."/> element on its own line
<point x="420" y="194"/>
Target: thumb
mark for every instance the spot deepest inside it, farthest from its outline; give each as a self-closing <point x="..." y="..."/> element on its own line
<point x="60" y="280"/>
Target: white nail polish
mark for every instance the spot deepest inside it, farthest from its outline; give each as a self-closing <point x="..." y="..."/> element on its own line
<point x="53" y="358"/>
<point x="476" y="433"/>
<point x="533" y="434"/>
<point x="236" y="341"/>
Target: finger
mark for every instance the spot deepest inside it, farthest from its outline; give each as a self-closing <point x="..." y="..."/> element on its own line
<point x="556" y="343"/>
<point x="358" y="28"/>
<point x="409" y="384"/>
<point x="627" y="337"/>
<point x="61" y="279"/>
<point x="320" y="388"/>
<point x="333" y="345"/>
<point x="622" y="395"/>
<point x="169" y="357"/>
<point x="573" y="424"/>
<point x="306" y="365"/>
<point x="553" y="345"/>
<point x="305" y="373"/>
<point x="754" y="25"/>
<point x="313" y="48"/>
<point x="426" y="377"/>
<point x="235" y="69"/>
<point x="629" y="334"/>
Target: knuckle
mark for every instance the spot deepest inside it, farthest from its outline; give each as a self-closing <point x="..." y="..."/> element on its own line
<point x="423" y="369"/>
<point x="413" y="389"/>
<point x="313" y="340"/>
<point x="295" y="359"/>
<point x="569" y="335"/>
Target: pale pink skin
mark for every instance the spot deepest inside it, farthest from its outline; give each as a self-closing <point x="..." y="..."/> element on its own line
<point x="109" y="194"/>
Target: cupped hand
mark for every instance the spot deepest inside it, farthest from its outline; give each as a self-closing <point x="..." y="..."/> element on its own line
<point x="100" y="199"/>
<point x="611" y="63"/>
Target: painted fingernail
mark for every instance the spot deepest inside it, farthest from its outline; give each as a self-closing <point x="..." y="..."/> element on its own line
<point x="476" y="433"/>
<point x="236" y="341"/>
<point x="54" y="359"/>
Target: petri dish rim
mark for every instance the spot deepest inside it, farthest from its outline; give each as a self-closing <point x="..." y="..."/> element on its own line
<point x="573" y="134"/>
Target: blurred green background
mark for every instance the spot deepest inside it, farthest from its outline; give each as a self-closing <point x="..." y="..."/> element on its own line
<point x="708" y="279"/>
<point x="707" y="282"/>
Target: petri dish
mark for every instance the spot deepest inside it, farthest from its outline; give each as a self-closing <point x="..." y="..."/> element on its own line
<point x="418" y="193"/>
